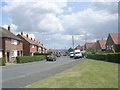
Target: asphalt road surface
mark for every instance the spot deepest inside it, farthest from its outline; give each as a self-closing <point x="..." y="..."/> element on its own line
<point x="20" y="75"/>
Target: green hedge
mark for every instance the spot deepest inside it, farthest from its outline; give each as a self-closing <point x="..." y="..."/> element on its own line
<point x="105" y="57"/>
<point x="25" y="59"/>
<point x="2" y="62"/>
<point x="35" y="54"/>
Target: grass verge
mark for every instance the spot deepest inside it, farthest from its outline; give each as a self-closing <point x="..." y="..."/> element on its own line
<point x="89" y="74"/>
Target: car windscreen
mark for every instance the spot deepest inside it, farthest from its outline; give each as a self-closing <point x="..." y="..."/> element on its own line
<point x="77" y="52"/>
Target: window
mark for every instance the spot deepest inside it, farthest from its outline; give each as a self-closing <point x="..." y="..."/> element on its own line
<point x="33" y="46"/>
<point x="14" y="53"/>
<point x="109" y="47"/>
<point x="15" y="42"/>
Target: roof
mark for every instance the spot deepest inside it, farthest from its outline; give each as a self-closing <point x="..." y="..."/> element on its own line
<point x="7" y="34"/>
<point x="115" y="37"/>
<point x="79" y="47"/>
<point x="90" y="45"/>
<point x="102" y="44"/>
<point x="30" y="41"/>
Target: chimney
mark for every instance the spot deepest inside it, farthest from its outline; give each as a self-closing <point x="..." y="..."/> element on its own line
<point x="27" y="35"/>
<point x="34" y="39"/>
<point x="21" y="33"/>
<point x="31" y="38"/>
<point x="9" y="28"/>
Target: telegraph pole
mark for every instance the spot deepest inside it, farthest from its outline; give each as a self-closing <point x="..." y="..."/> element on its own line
<point x="73" y="41"/>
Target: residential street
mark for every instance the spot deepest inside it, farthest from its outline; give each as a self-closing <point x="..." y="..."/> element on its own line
<point x="20" y="75"/>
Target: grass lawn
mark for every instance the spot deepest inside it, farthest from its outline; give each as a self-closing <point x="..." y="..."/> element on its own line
<point x="89" y="74"/>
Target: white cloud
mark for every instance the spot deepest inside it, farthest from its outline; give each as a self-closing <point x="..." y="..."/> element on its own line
<point x="45" y="21"/>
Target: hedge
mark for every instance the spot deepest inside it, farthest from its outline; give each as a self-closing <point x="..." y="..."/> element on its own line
<point x="2" y="62"/>
<point x="35" y="54"/>
<point x="25" y="59"/>
<point x="115" y="58"/>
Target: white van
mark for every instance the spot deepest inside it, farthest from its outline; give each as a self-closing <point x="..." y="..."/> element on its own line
<point x="71" y="54"/>
<point x="77" y="54"/>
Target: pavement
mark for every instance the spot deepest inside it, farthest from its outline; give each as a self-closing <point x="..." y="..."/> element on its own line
<point x="20" y="75"/>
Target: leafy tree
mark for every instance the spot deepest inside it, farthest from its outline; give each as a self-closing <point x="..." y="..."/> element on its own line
<point x="70" y="49"/>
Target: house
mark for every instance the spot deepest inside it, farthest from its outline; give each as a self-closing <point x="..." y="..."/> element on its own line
<point x="54" y="51"/>
<point x="30" y="46"/>
<point x="11" y="46"/>
<point x="100" y="45"/>
<point x="113" y="42"/>
<point x="81" y="48"/>
<point x="90" y="46"/>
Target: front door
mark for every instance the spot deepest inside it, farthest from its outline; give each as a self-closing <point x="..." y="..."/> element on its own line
<point x="8" y="56"/>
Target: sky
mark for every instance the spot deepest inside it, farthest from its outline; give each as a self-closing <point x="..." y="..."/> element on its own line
<point x="54" y="22"/>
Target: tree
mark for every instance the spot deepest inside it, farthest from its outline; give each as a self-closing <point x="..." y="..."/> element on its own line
<point x="70" y="50"/>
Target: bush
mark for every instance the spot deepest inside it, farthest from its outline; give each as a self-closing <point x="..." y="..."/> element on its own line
<point x="105" y="57"/>
<point x="97" y="56"/>
<point x="35" y="54"/>
<point x="2" y="62"/>
<point x="113" y="58"/>
<point x="25" y="59"/>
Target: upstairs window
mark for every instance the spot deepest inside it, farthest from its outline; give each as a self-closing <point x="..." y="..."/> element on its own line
<point x="15" y="42"/>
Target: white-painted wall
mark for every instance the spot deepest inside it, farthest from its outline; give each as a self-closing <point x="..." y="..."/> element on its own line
<point x="14" y="53"/>
<point x="0" y="54"/>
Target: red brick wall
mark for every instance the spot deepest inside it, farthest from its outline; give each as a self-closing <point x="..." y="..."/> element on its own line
<point x="33" y="50"/>
<point x="26" y="46"/>
<point x="8" y="47"/>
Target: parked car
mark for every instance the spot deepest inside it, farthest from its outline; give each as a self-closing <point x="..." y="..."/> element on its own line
<point x="58" y="55"/>
<point x="77" y="54"/>
<point x="51" y="57"/>
<point x="64" y="54"/>
<point x="71" y="54"/>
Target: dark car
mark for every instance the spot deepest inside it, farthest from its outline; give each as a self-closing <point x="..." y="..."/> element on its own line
<point x="58" y="55"/>
<point x="51" y="58"/>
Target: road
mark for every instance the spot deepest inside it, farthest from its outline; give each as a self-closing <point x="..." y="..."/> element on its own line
<point x="20" y="75"/>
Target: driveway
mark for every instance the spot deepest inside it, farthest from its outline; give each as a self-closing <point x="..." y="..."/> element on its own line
<point x="20" y="75"/>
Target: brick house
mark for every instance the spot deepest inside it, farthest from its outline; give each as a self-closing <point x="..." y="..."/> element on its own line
<point x="90" y="46"/>
<point x="113" y="42"/>
<point x="81" y="48"/>
<point x="30" y="46"/>
<point x="11" y="46"/>
<point x="100" y="45"/>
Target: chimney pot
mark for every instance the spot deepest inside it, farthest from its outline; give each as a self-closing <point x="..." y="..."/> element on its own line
<point x="31" y="38"/>
<point x="27" y="35"/>
<point x="21" y="33"/>
<point x="9" y="28"/>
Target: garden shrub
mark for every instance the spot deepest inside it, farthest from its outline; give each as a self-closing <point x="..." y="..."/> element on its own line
<point x="25" y="59"/>
<point x="2" y="62"/>
<point x="105" y="57"/>
<point x="35" y="54"/>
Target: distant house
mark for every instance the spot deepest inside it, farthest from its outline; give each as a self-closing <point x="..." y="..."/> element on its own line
<point x="30" y="46"/>
<point x="100" y="45"/>
<point x="81" y="48"/>
<point x="90" y="46"/>
<point x="113" y="42"/>
<point x="11" y="46"/>
<point x="54" y="51"/>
